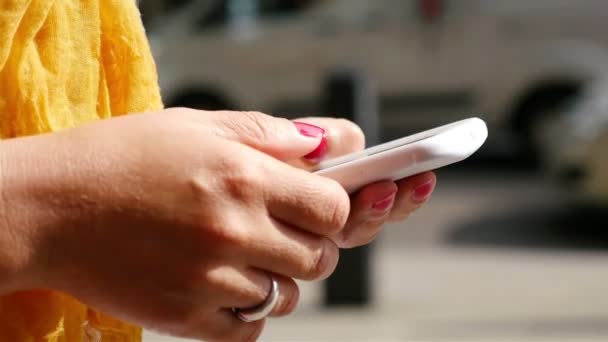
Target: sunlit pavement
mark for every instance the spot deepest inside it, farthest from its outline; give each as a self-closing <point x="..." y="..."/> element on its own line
<point x="499" y="257"/>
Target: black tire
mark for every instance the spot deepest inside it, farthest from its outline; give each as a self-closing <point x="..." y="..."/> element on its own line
<point x="546" y="103"/>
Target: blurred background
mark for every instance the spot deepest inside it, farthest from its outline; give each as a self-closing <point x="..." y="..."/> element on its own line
<point x="514" y="244"/>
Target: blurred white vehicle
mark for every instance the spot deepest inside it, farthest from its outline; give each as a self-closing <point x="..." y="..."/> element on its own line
<point x="575" y="147"/>
<point x="432" y="61"/>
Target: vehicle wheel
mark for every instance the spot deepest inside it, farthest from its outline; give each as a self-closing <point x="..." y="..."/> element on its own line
<point x="536" y="116"/>
<point x="540" y="129"/>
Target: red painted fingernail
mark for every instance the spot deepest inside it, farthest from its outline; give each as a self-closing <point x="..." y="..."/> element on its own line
<point x="422" y="192"/>
<point x="384" y="204"/>
<point x="309" y="130"/>
<point x="313" y="131"/>
<point x="319" y="152"/>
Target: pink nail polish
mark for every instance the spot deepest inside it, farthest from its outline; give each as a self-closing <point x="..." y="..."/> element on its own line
<point x="319" y="152"/>
<point x="384" y="204"/>
<point x="422" y="192"/>
<point x="313" y="131"/>
<point x="309" y="130"/>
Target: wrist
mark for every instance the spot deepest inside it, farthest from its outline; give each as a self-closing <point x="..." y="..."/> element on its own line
<point x="29" y="219"/>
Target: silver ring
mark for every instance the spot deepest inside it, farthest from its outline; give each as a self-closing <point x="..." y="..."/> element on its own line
<point x="261" y="311"/>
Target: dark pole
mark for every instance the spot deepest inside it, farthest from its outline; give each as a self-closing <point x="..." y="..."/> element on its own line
<point x="348" y="94"/>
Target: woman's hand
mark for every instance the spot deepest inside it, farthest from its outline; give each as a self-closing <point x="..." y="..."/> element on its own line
<point x="377" y="203"/>
<point x="170" y="219"/>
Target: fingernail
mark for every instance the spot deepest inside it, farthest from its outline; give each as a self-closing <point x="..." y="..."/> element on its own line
<point x="384" y="204"/>
<point x="309" y="130"/>
<point x="319" y="152"/>
<point x="422" y="192"/>
<point x="313" y="131"/>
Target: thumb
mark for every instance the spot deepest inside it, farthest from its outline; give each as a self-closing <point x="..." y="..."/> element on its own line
<point x="278" y="137"/>
<point x="343" y="137"/>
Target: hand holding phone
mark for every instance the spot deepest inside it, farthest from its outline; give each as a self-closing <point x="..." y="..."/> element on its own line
<point x="401" y="158"/>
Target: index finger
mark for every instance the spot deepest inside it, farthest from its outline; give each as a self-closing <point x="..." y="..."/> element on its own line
<point x="314" y="203"/>
<point x="294" y="197"/>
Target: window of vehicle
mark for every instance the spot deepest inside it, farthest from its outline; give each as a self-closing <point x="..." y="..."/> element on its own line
<point x="174" y="4"/>
<point x="281" y="8"/>
<point x="214" y="15"/>
<point x="223" y="12"/>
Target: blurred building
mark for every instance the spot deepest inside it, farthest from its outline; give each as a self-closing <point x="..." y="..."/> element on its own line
<point x="433" y="61"/>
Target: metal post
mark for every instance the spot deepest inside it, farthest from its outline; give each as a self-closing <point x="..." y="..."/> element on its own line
<point x="348" y="94"/>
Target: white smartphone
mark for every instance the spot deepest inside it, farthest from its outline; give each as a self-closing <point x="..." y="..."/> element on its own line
<point x="397" y="159"/>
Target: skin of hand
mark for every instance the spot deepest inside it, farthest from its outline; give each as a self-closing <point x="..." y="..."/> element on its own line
<point x="170" y="219"/>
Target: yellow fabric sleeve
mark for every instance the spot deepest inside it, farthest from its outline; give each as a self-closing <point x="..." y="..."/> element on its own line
<point x="64" y="63"/>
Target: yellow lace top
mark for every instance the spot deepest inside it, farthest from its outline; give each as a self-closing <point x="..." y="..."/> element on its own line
<point x="64" y="63"/>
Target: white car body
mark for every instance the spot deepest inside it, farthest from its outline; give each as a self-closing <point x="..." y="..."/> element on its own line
<point x="480" y="58"/>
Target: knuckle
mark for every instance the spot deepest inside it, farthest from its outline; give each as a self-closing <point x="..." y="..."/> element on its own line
<point x="201" y="190"/>
<point x="212" y="226"/>
<point x="323" y="262"/>
<point x="232" y="172"/>
<point x="241" y="185"/>
<point x="220" y="236"/>
<point x="230" y="236"/>
<point x="241" y="181"/>
<point x="253" y="124"/>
